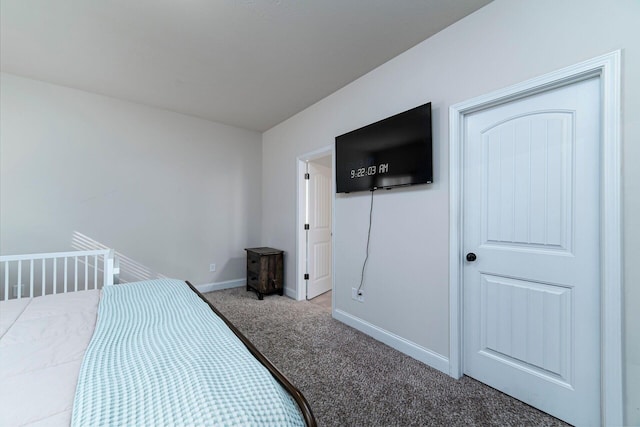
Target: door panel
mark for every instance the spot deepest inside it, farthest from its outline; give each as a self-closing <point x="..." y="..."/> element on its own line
<point x="527" y="181"/>
<point x="531" y="215"/>
<point x="527" y="325"/>
<point x="319" y="235"/>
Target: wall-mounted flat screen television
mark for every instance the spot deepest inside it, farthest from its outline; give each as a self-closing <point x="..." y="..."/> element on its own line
<point x="393" y="152"/>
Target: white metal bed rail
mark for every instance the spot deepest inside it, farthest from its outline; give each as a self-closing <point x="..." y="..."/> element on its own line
<point x="51" y="273"/>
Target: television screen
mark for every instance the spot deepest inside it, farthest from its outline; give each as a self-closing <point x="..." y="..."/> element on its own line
<point x="393" y="152"/>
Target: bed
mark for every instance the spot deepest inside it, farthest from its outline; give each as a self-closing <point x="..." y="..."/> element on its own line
<point x="154" y="352"/>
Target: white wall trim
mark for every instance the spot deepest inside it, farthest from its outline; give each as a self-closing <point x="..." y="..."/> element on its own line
<point x="218" y="286"/>
<point x="236" y="283"/>
<point x="291" y="292"/>
<point x="301" y="284"/>
<point x="301" y="168"/>
<point x="424" y="355"/>
<point x="607" y="69"/>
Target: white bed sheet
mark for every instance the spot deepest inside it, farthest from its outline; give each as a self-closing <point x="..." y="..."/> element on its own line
<point x="42" y="343"/>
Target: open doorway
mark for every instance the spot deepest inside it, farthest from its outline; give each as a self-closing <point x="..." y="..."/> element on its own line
<point x="315" y="226"/>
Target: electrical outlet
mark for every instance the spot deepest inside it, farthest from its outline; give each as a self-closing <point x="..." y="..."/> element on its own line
<point x="212" y="267"/>
<point x="357" y="295"/>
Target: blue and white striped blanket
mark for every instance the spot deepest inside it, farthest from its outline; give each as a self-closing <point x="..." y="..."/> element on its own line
<point x="160" y="356"/>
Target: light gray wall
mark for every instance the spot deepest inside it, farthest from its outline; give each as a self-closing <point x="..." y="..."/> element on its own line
<point x="171" y="193"/>
<point x="502" y="44"/>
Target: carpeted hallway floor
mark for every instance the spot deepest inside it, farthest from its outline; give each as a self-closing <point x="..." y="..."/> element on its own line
<point x="351" y="379"/>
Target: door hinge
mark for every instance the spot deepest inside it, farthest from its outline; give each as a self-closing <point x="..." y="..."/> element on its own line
<point x="306" y="276"/>
<point x="306" y="226"/>
<point x="306" y="175"/>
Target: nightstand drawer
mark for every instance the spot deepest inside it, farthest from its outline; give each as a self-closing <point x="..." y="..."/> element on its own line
<point x="252" y="280"/>
<point x="253" y="263"/>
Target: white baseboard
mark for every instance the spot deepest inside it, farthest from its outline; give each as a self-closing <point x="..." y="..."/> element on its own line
<point x="291" y="293"/>
<point x="218" y="286"/>
<point x="424" y="355"/>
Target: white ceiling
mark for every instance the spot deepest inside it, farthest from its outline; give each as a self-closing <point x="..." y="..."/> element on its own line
<point x="247" y="63"/>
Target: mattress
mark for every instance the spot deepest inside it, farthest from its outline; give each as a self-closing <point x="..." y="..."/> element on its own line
<point x="145" y="353"/>
<point x="42" y="343"/>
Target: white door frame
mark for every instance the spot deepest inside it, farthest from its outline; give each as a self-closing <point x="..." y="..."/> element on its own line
<point x="301" y="285"/>
<point x="607" y="69"/>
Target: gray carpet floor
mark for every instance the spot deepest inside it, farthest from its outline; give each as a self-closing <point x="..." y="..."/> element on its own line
<point x="351" y="379"/>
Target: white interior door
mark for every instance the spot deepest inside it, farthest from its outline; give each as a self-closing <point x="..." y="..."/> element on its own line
<point x="531" y="218"/>
<point x="319" y="234"/>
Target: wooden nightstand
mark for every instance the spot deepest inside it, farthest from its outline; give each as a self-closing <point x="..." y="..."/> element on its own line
<point x="265" y="271"/>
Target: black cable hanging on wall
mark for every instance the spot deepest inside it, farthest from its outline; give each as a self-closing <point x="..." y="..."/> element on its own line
<point x="366" y="258"/>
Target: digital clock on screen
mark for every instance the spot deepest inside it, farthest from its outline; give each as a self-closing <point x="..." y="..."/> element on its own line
<point x="370" y="170"/>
